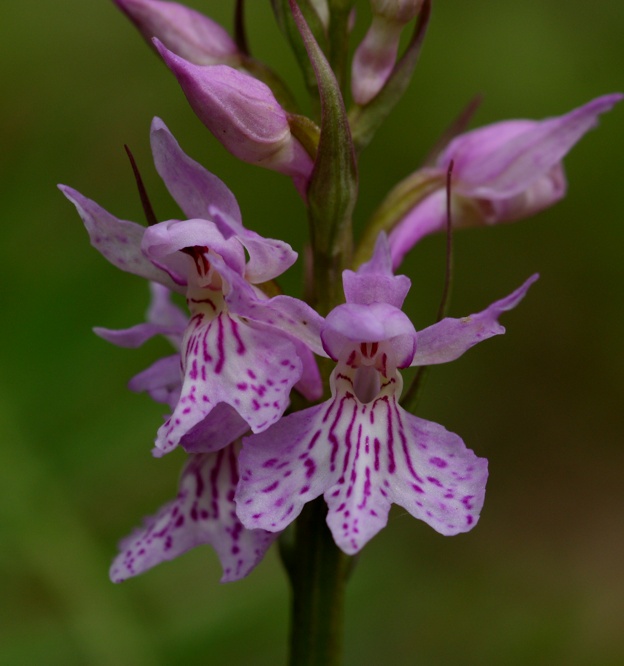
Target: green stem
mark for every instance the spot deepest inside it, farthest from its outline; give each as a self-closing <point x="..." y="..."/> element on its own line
<point x="318" y="570"/>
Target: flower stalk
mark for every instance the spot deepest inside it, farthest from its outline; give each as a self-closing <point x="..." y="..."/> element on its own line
<point x="318" y="572"/>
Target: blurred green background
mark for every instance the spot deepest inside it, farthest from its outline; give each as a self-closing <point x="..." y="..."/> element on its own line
<point x="539" y="581"/>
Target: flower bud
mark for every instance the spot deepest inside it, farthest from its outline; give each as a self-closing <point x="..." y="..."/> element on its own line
<point x="182" y="30"/>
<point x="375" y="57"/>
<point x="502" y="172"/>
<point x="243" y="115"/>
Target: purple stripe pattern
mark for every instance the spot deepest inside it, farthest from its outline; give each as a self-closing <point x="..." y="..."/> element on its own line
<point x="202" y="513"/>
<point x="239" y="347"/>
<point x="360" y="449"/>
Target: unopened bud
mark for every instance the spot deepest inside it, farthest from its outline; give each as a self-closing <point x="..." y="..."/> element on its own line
<point x="243" y="115"/>
<point x="183" y="30"/>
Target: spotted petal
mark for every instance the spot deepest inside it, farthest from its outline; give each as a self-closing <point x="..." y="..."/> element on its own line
<point x="362" y="458"/>
<point x="450" y="338"/>
<point x="228" y="360"/>
<point x="202" y="513"/>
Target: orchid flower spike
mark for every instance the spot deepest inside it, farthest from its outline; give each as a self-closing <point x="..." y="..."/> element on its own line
<point x="360" y="449"/>
<point x="183" y="30"/>
<point x="243" y="115"/>
<point x="502" y="172"/>
<point x="375" y="57"/>
<point x="240" y="347"/>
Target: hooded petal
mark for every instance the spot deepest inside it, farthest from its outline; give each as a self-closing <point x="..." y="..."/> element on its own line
<point x="503" y="159"/>
<point x="202" y="513"/>
<point x="162" y="244"/>
<point x="117" y="240"/>
<point x="351" y="323"/>
<point x="450" y="338"/>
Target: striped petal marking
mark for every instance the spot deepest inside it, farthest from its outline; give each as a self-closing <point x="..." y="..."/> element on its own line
<point x="363" y="455"/>
<point x="226" y="358"/>
<point x="202" y="513"/>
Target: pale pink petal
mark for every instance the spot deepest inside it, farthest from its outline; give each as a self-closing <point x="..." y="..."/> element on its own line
<point x="268" y="257"/>
<point x="194" y="188"/>
<point x="498" y="163"/>
<point x="450" y="338"/>
<point x="428" y="217"/>
<point x="289" y="316"/>
<point x="242" y="113"/>
<point x="117" y="240"/>
<point x="374" y="281"/>
<point x="217" y="430"/>
<point x="185" y="31"/>
<point x="162" y="380"/>
<point x="134" y="336"/>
